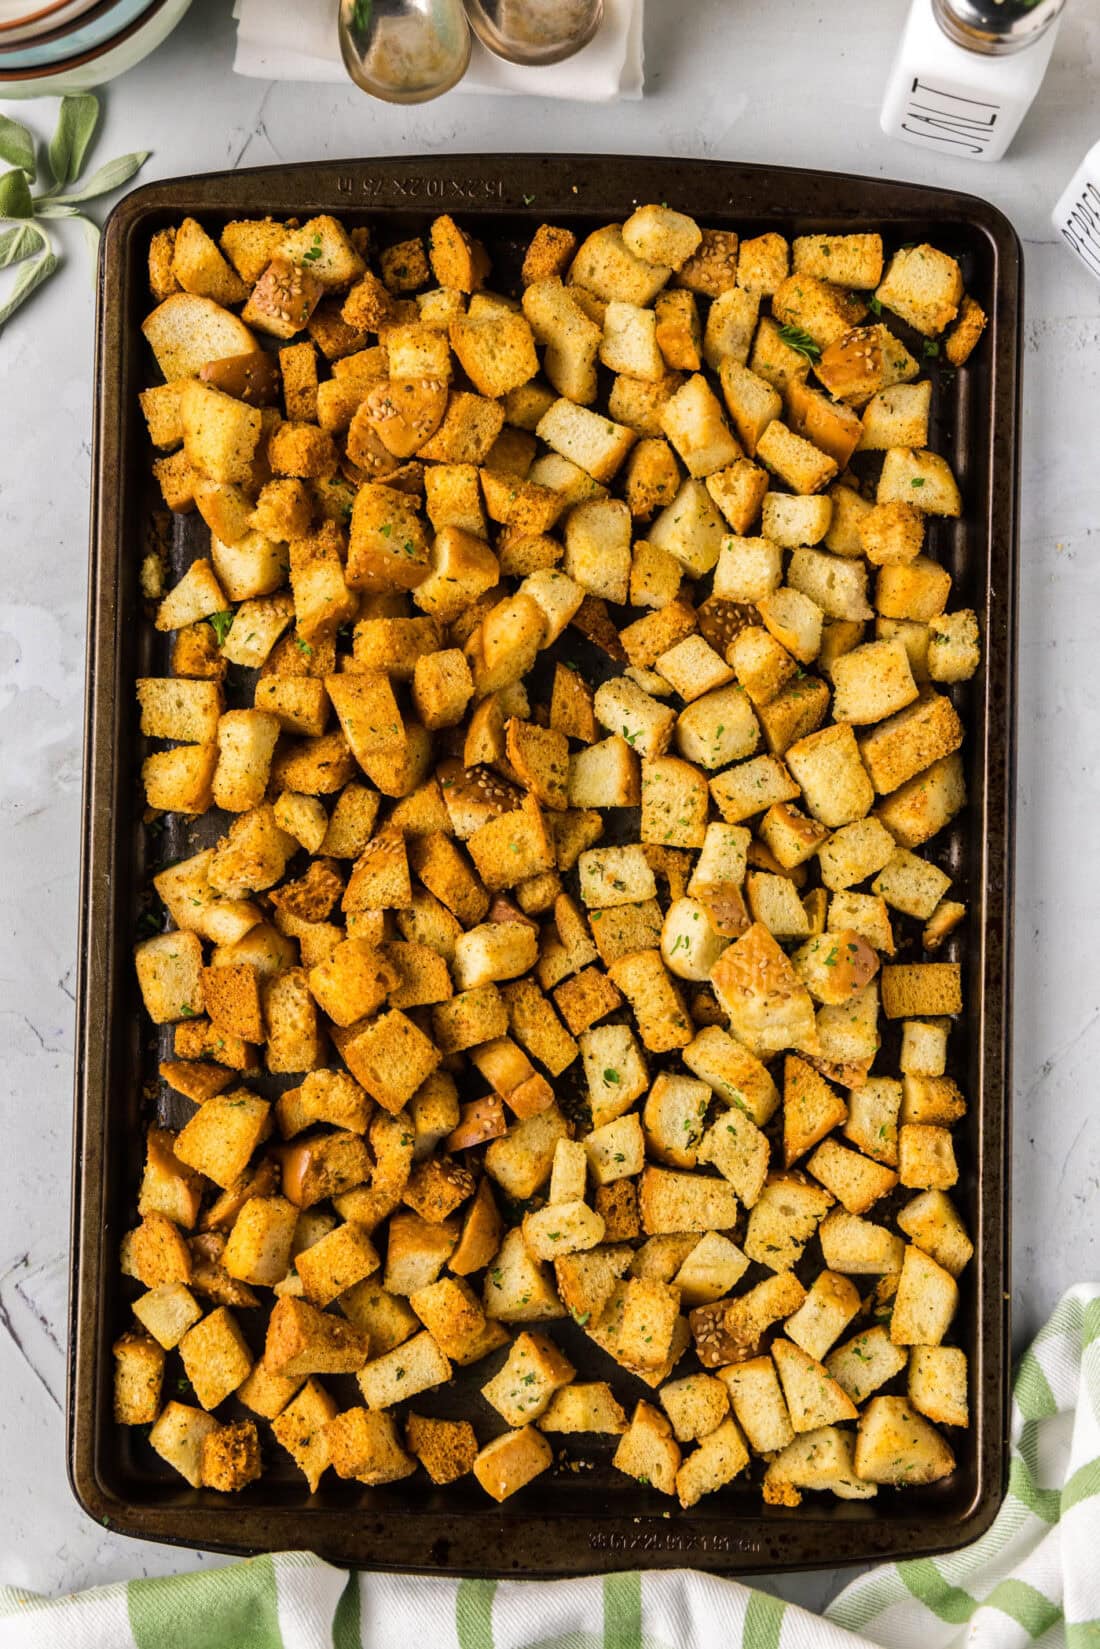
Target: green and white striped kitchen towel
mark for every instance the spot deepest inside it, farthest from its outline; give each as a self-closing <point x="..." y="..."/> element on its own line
<point x="1034" y="1579"/>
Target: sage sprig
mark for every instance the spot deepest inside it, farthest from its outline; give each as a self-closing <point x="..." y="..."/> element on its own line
<point x="23" y="240"/>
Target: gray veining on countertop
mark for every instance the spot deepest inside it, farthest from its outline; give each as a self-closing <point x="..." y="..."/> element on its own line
<point x="790" y="82"/>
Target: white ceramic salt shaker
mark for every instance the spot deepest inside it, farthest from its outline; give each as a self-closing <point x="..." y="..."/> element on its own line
<point x="1077" y="214"/>
<point x="966" y="73"/>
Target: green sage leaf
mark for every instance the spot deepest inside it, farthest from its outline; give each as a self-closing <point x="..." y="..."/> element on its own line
<point x="15" y="196"/>
<point x="17" y="146"/>
<point x="21" y="241"/>
<point x="46" y="208"/>
<point x="108" y="178"/>
<point x="76" y="126"/>
<point x="28" y="280"/>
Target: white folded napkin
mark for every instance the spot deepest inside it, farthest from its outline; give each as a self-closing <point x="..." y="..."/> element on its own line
<point x="296" y="40"/>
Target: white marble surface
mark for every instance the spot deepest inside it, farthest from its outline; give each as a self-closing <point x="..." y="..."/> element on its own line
<point x="783" y="82"/>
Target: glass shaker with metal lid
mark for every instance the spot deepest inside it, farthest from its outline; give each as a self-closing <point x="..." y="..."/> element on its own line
<point x="967" y="72"/>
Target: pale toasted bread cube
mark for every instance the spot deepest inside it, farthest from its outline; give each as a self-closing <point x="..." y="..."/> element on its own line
<point x="690" y="528"/>
<point x="215" y="1357"/>
<point x="819" y="1459"/>
<point x="774" y="902"/>
<point x="751" y="787"/>
<point x="648" y="1452"/>
<point x="954" y="646"/>
<point x="629" y="343"/>
<point x="738" y="491"/>
<point x="922" y="479"/>
<point x="187" y="330"/>
<point x="866" y="1362"/>
<point x="855" y="852"/>
<point x="924" y="1047"/>
<point x="897" y="1445"/>
<point x="791" y="520"/>
<point x="926" y="1157"/>
<point x="562" y="1228"/>
<point x="937" y="1384"/>
<point x="685" y="1202"/>
<point x="782" y="1221"/>
<point x="920" y="808"/>
<point x="897" y="417"/>
<point x="616" y="1150"/>
<point x="923" y="286"/>
<point x="658" y="1005"/>
<point x="872" y="682"/>
<point x="584" y="1407"/>
<point x="752" y="401"/>
<point x="718" y="1460"/>
<point x="732" y="1072"/>
<point x="569" y="1174"/>
<point x="416" y="1252"/>
<point x="300" y="1429"/>
<point x="712" y="1268"/>
<point x="696" y="1405"/>
<point x="758" y="1404"/>
<point x="856" y="1181"/>
<point x="675" y="800"/>
<point x="597" y="444"/>
<point x="615" y="876"/>
<point x="195" y="597"/>
<point x="811" y="1108"/>
<point x="608" y="267"/>
<point x="522" y="1160"/>
<point x="534" y="1371"/>
<point x="873" y="1118"/>
<point x="415" y="1366"/>
<point x="169" y="970"/>
<point x="837" y="586"/>
<point x="614" y="1071"/>
<point x="794" y="620"/>
<point x="857" y="1246"/>
<point x="691" y="942"/>
<point x="748" y="569"/>
<point x="835" y="786"/>
<point x="694" y="422"/>
<point x="813" y="1397"/>
<point x="178" y="1437"/>
<point x="925" y="1303"/>
<point x="167" y="1312"/>
<point x="661" y="236"/>
<point x="718" y="728"/>
<point x="794" y="459"/>
<point x="932" y="1222"/>
<point x="846" y="260"/>
<point x="850" y="510"/>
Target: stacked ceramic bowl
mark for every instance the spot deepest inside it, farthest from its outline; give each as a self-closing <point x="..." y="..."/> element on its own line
<point x="50" y="46"/>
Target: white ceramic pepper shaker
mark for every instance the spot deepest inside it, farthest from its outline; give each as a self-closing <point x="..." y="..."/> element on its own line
<point x="966" y="73"/>
<point x="1077" y="214"/>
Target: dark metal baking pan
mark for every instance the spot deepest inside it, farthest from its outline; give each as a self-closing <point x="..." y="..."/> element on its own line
<point x="591" y="1520"/>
